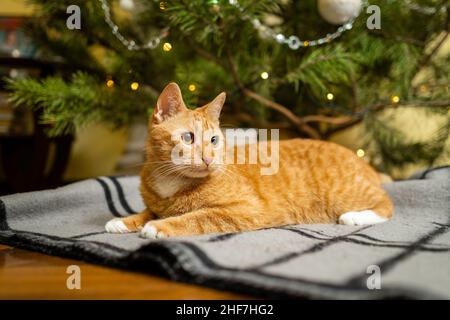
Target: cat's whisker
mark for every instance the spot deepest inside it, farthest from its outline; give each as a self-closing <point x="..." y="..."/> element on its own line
<point x="315" y="182"/>
<point x="162" y="161"/>
<point x="163" y="170"/>
<point x="164" y="173"/>
<point x="170" y="169"/>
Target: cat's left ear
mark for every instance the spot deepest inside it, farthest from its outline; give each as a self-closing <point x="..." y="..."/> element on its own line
<point x="170" y="103"/>
<point x="214" y="108"/>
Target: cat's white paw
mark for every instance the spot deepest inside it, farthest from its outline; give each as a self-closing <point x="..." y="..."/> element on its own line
<point x="361" y="218"/>
<point x="116" y="225"/>
<point x="149" y="231"/>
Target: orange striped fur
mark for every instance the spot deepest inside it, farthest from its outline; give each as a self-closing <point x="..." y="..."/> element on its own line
<point x="317" y="182"/>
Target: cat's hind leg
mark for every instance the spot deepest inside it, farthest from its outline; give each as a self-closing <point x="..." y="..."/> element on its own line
<point x="131" y="223"/>
<point x="361" y="218"/>
<point x="381" y="211"/>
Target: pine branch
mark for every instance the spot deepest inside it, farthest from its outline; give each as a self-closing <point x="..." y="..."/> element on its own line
<point x="325" y="119"/>
<point x="348" y="121"/>
<point x="271" y="104"/>
<point x="70" y="106"/>
<point x="299" y="122"/>
<point x="425" y="61"/>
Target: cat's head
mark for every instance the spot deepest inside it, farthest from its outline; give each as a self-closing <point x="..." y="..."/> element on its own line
<point x="185" y="142"/>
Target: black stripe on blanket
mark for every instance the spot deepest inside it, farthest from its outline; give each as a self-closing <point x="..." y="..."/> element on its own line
<point x="427" y="171"/>
<point x="3" y="221"/>
<point x="222" y="277"/>
<point x="108" y="198"/>
<point x="199" y="260"/>
<point x="120" y="193"/>
<point x="349" y="238"/>
<point x="162" y="259"/>
<point x="79" y="236"/>
<point x="169" y="259"/>
<point x="315" y="248"/>
<point x="387" y="264"/>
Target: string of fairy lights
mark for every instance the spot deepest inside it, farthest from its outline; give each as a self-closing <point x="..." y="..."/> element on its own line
<point x="130" y="44"/>
<point x="293" y="42"/>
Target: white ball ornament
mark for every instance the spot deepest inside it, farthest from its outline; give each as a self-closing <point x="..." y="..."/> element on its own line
<point x="339" y="11"/>
<point x="127" y="4"/>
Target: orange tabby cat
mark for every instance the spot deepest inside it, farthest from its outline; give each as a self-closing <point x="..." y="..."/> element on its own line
<point x="317" y="181"/>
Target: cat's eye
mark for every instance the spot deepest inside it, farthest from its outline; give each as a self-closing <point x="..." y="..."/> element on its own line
<point x="188" y="137"/>
<point x="215" y="140"/>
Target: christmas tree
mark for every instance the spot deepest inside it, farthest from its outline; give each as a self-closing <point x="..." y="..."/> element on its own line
<point x="313" y="67"/>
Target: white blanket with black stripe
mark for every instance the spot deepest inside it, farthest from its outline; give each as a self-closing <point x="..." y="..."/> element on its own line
<point x="408" y="257"/>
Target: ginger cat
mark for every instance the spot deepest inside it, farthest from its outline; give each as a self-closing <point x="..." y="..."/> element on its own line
<point x="317" y="181"/>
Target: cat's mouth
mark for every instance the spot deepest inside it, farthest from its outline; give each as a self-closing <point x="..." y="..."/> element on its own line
<point x="200" y="169"/>
<point x="198" y="172"/>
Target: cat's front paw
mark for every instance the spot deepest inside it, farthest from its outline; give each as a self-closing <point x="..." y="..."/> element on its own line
<point x="116" y="225"/>
<point x="151" y="231"/>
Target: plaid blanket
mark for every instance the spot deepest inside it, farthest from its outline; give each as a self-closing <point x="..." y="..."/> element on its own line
<point x="408" y="257"/>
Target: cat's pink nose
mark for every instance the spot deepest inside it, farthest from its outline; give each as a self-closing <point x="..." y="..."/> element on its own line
<point x="208" y="160"/>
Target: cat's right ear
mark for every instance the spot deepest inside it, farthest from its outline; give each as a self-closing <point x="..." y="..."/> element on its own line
<point x="170" y="103"/>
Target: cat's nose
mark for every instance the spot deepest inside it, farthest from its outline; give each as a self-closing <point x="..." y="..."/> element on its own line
<point x="208" y="160"/>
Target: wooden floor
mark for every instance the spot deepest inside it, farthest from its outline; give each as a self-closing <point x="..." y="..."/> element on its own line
<point x="30" y="275"/>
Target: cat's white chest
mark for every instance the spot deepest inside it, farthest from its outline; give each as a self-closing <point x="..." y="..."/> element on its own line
<point x="167" y="187"/>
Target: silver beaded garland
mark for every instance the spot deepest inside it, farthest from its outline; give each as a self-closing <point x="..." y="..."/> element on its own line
<point x="293" y="41"/>
<point x="130" y="44"/>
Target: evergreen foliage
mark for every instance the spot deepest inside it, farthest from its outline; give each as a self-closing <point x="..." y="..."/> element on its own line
<point x="216" y="49"/>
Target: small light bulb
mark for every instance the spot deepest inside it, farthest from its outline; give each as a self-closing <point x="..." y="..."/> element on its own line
<point x="360" y="153"/>
<point x="134" y="86"/>
<point x="192" y="87"/>
<point x="13" y="73"/>
<point x="264" y="75"/>
<point x="167" y="46"/>
<point x="110" y="83"/>
<point x="330" y="96"/>
<point x="395" y="99"/>
<point x="306" y="43"/>
<point x="16" y="53"/>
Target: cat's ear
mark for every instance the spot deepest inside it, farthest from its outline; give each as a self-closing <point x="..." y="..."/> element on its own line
<point x="170" y="103"/>
<point x="214" y="108"/>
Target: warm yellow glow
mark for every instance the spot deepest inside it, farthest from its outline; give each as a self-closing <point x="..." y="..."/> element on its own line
<point x="167" y="46"/>
<point x="192" y="87"/>
<point x="264" y="75"/>
<point x="16" y="53"/>
<point x="395" y="99"/>
<point x="330" y="96"/>
<point x="162" y="5"/>
<point x="110" y="83"/>
<point x="360" y="153"/>
<point x="306" y="43"/>
<point x="134" y="86"/>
